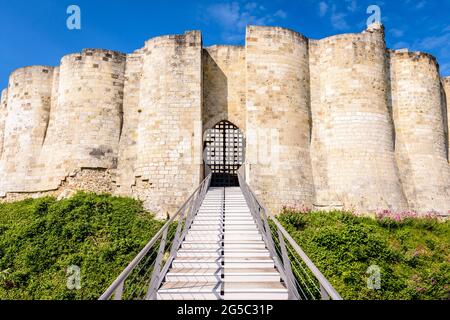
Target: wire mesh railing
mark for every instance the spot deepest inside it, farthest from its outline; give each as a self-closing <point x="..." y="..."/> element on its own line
<point x="141" y="279"/>
<point x="302" y="278"/>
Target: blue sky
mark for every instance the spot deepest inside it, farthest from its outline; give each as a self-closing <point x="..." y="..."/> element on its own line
<point x="34" y="32"/>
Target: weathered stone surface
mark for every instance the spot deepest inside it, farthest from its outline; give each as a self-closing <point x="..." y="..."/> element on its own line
<point x="128" y="147"/>
<point x="338" y="122"/>
<point x="352" y="140"/>
<point x="278" y="117"/>
<point x="446" y="101"/>
<point x="224" y="86"/>
<point x="169" y="124"/>
<point x="3" y="113"/>
<point x="421" y="130"/>
<point x="86" y="116"/>
<point x="89" y="180"/>
<point x="25" y="125"/>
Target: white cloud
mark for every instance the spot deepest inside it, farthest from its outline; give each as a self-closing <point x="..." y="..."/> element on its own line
<point x="400" y="45"/>
<point x="352" y="5"/>
<point x="417" y="4"/>
<point x="397" y="32"/>
<point x="251" y="6"/>
<point x="281" y="14"/>
<point x="340" y="11"/>
<point x="338" y="20"/>
<point x="323" y="8"/>
<point x="421" y="4"/>
<point x="226" y="14"/>
<point x="436" y="42"/>
<point x="234" y="17"/>
<point x="445" y="69"/>
<point x="438" y="46"/>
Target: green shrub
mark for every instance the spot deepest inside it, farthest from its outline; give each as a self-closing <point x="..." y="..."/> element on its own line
<point x="413" y="255"/>
<point x="40" y="239"/>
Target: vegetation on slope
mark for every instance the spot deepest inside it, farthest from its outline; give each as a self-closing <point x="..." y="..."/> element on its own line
<point x="40" y="239"/>
<point x="412" y="254"/>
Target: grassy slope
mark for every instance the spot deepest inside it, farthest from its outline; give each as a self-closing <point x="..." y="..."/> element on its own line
<point x="40" y="238"/>
<point x="414" y="255"/>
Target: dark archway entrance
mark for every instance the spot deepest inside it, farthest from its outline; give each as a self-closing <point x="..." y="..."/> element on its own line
<point x="224" y="153"/>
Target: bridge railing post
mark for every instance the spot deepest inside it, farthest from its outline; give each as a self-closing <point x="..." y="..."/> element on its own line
<point x="156" y="274"/>
<point x="268" y="234"/>
<point x="255" y="209"/>
<point x="323" y="293"/>
<point x="189" y="217"/>
<point x="119" y="291"/>
<point x="290" y="279"/>
<point x="177" y="238"/>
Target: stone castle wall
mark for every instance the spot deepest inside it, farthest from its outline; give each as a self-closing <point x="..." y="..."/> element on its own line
<point x="63" y="119"/>
<point x="446" y="101"/>
<point x="352" y="144"/>
<point x="421" y="130"/>
<point x="25" y="125"/>
<point x="85" y="122"/>
<point x="167" y="162"/>
<point x="128" y="147"/>
<point x="3" y="105"/>
<point x="337" y="122"/>
<point x="224" y="86"/>
<point x="278" y="118"/>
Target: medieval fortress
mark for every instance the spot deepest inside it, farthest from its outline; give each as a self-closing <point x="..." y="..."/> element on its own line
<point x="341" y="122"/>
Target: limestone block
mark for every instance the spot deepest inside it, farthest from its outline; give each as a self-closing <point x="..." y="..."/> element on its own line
<point x="131" y="112"/>
<point x="446" y="102"/>
<point x="421" y="130"/>
<point x="25" y="125"/>
<point x="352" y="137"/>
<point x="3" y="113"/>
<point x="170" y="121"/>
<point x="86" y="116"/>
<point x="278" y="121"/>
<point x="224" y="85"/>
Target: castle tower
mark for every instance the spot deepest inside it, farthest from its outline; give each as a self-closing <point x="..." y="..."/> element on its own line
<point x="352" y="140"/>
<point x="446" y="85"/>
<point x="421" y="140"/>
<point x="86" y="115"/>
<point x="3" y="112"/>
<point x="25" y="125"/>
<point x="278" y="118"/>
<point x="168" y="163"/>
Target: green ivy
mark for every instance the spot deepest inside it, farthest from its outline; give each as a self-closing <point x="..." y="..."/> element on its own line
<point x="41" y="238"/>
<point x="413" y="255"/>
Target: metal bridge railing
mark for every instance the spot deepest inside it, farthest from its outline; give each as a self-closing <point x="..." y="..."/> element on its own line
<point x="302" y="278"/>
<point x="143" y="276"/>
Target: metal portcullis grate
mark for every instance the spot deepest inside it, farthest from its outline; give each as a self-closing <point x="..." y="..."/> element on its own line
<point x="224" y="153"/>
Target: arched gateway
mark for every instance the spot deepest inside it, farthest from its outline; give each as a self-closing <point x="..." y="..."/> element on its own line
<point x="224" y="153"/>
